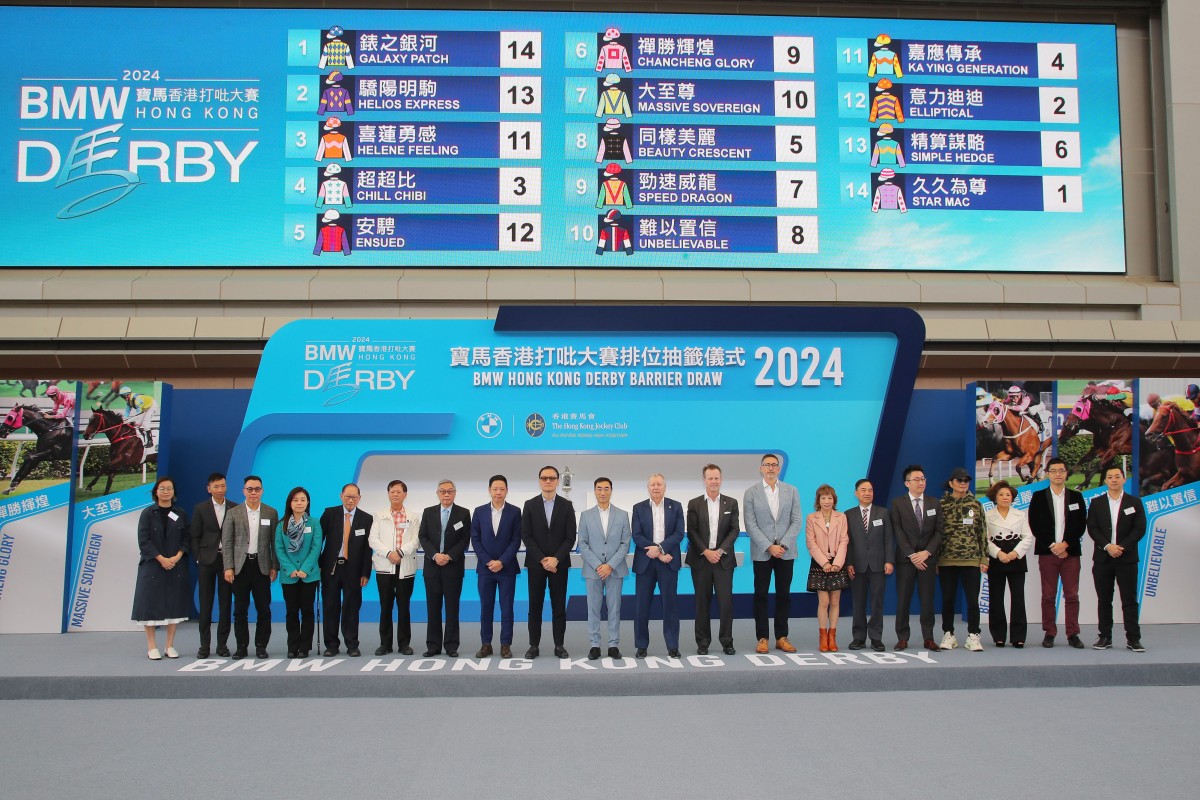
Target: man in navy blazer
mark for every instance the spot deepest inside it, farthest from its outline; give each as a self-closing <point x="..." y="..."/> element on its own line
<point x="1058" y="519"/>
<point x="1116" y="522"/>
<point x="872" y="559"/>
<point x="495" y="538"/>
<point x="345" y="569"/>
<point x="548" y="531"/>
<point x="917" y="524"/>
<point x="604" y="544"/>
<point x="657" y="533"/>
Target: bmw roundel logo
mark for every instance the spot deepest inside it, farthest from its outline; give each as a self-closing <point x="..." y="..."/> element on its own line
<point x="535" y="425"/>
<point x="489" y="425"/>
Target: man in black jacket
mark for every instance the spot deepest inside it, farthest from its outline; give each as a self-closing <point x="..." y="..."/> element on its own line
<point x="1058" y="519"/>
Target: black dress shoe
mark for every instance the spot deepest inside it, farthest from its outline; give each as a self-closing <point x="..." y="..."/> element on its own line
<point x="998" y="644"/>
<point x="560" y="651"/>
<point x="406" y="651"/>
<point x="1075" y="642"/>
<point x="239" y="653"/>
<point x="641" y="653"/>
<point x="484" y="651"/>
<point x="1018" y="645"/>
<point x="353" y="652"/>
<point x="292" y="654"/>
<point x="223" y="651"/>
<point x="614" y="652"/>
<point x="261" y="652"/>
<point x="594" y="654"/>
<point x="1103" y="643"/>
<point x="857" y="644"/>
<point x="302" y="654"/>
<point x="674" y="654"/>
<point x="202" y="652"/>
<point x="452" y="653"/>
<point x="729" y="651"/>
<point x="701" y="649"/>
<point x="382" y="651"/>
<point x="532" y="652"/>
<point x="1047" y="641"/>
<point x="330" y="652"/>
<point x="877" y="645"/>
<point x="431" y="653"/>
<point x="1135" y="645"/>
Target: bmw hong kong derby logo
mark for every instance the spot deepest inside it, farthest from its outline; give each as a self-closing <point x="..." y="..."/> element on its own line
<point x="535" y="425"/>
<point x="489" y="425"/>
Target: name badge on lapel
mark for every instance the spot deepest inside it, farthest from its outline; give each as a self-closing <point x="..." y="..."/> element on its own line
<point x="1073" y="507"/>
<point x="171" y="515"/>
<point x="1129" y="511"/>
<point x="458" y="525"/>
<point x="878" y="523"/>
<point x="266" y="523"/>
<point x="360" y="532"/>
<point x="931" y="512"/>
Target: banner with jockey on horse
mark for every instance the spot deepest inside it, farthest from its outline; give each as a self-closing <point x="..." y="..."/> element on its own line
<point x="121" y="425"/>
<point x="38" y="419"/>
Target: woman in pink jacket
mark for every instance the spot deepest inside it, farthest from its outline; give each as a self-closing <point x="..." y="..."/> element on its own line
<point x="828" y="538"/>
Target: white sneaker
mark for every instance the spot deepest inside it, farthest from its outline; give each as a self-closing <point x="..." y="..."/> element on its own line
<point x="973" y="643"/>
<point x="172" y="652"/>
<point x="154" y="655"/>
<point x="949" y="642"/>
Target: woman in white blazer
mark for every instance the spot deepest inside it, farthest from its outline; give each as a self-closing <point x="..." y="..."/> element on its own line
<point x="393" y="542"/>
<point x="1009" y="542"/>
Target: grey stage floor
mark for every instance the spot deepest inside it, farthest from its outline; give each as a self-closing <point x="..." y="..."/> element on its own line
<point x="114" y="665"/>
<point x="1097" y="743"/>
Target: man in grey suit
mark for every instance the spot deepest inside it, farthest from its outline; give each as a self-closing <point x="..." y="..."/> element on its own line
<point x="872" y="557"/>
<point x="248" y="550"/>
<point x="773" y="521"/>
<point x="917" y="525"/>
<point x="604" y="544"/>
<point x="712" y="529"/>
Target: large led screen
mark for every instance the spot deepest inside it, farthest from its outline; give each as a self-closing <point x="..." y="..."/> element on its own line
<point x="335" y="138"/>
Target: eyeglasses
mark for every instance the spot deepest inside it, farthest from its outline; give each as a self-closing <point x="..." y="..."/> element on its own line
<point x="915" y="480"/>
<point x="445" y="491"/>
<point x="548" y="478"/>
<point x="771" y="465"/>
<point x="254" y="488"/>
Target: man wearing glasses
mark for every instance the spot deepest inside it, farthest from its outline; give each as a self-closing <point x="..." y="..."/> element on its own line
<point x="917" y="523"/>
<point x="345" y="569"/>
<point x="248" y="551"/>
<point x="445" y="535"/>
<point x="548" y="531"/>
<point x="773" y="522"/>
<point x="1058" y="519"/>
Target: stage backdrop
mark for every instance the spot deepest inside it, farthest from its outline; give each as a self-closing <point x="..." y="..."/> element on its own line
<point x="620" y="392"/>
<point x="36" y="452"/>
<point x="120" y="449"/>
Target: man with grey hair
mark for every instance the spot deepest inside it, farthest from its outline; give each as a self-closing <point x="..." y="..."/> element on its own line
<point x="657" y="533"/>
<point x="444" y="535"/>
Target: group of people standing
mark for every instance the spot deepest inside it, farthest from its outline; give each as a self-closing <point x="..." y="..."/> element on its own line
<point x="241" y="549"/>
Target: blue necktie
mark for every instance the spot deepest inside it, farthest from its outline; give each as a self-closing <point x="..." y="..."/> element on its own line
<point x="445" y="522"/>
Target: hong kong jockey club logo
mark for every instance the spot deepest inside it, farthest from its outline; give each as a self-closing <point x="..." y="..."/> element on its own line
<point x="489" y="425"/>
<point x="535" y="425"/>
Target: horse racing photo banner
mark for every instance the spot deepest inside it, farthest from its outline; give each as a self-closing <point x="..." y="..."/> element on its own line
<point x="118" y="452"/>
<point x="36" y="437"/>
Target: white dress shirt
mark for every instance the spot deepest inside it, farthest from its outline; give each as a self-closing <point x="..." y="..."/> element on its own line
<point x="772" y="500"/>
<point x="1059" y="503"/>
<point x="659" y="514"/>
<point x="714" y="517"/>
<point x="252" y="517"/>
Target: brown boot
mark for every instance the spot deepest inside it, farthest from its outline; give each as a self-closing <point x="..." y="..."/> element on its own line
<point x="824" y="640"/>
<point x="831" y="640"/>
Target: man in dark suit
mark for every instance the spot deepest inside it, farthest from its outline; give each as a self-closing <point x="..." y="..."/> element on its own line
<point x="872" y="558"/>
<point x="548" y="529"/>
<point x="1058" y="519"/>
<point x="207" y="517"/>
<point x="1116" y="522"/>
<point x="495" y="538"/>
<point x="712" y="528"/>
<point x="917" y="525"/>
<point x="657" y="533"/>
<point x="248" y="553"/>
<point x="445" y="534"/>
<point x="345" y="569"/>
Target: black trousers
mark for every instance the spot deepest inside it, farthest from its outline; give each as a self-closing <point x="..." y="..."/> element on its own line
<point x="211" y="583"/>
<point x="970" y="579"/>
<point x="706" y="577"/>
<point x="443" y="587"/>
<point x="925" y="581"/>
<point x="247" y="583"/>
<point x="341" y="598"/>
<point x="863" y="628"/>
<point x="999" y="623"/>
<point x="396" y="592"/>
<point x="1123" y="575"/>
<point x="539" y="579"/>
<point x="763" y="570"/>
<point x="299" y="599"/>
